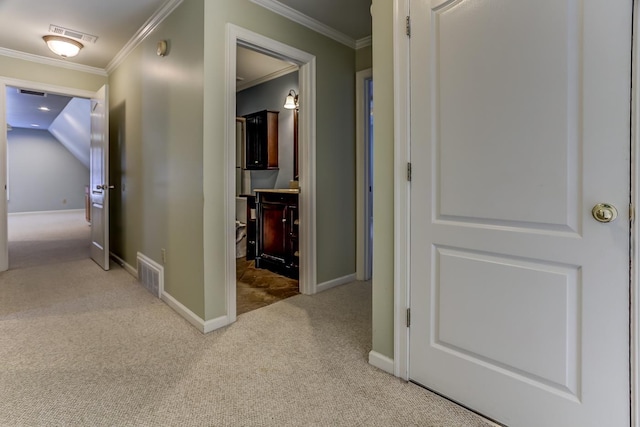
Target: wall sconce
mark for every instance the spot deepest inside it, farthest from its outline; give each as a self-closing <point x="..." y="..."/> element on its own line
<point x="292" y="100"/>
<point x="63" y="46"/>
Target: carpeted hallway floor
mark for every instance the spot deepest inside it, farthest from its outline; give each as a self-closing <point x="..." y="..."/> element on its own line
<point x="83" y="347"/>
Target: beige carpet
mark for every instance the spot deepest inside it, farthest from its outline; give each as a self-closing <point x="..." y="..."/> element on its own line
<point x="36" y="239"/>
<point x="84" y="347"/>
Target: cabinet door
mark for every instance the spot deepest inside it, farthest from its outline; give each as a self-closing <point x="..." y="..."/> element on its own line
<point x="292" y="236"/>
<point x="273" y="226"/>
<point x="255" y="152"/>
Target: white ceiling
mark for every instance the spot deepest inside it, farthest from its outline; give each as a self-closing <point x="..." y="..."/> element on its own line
<point x="24" y="109"/>
<point x="254" y="68"/>
<point x="116" y="22"/>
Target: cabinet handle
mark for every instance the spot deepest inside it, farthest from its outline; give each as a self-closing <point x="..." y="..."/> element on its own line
<point x="284" y="219"/>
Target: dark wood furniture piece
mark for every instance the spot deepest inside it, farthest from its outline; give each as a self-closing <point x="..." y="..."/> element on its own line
<point x="262" y="140"/>
<point x="277" y="231"/>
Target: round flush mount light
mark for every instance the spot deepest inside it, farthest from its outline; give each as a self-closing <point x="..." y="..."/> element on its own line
<point x="63" y="46"/>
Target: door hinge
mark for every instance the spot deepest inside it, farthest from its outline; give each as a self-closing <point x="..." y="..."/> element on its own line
<point x="632" y="213"/>
<point x="408" y="26"/>
<point x="408" y="317"/>
<point x="409" y="171"/>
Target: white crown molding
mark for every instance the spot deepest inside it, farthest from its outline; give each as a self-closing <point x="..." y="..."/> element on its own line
<point x="364" y="42"/>
<point x="51" y="61"/>
<point x="304" y="20"/>
<point x="246" y="85"/>
<point x="146" y="29"/>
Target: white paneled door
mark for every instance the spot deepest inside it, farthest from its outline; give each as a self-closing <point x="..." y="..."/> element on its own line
<point x="520" y="126"/>
<point x="99" y="178"/>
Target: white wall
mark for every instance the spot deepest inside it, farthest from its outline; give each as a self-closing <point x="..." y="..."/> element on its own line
<point x="43" y="175"/>
<point x="72" y="128"/>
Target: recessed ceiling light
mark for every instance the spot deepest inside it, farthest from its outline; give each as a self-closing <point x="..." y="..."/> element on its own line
<point x="44" y="109"/>
<point x="35" y="125"/>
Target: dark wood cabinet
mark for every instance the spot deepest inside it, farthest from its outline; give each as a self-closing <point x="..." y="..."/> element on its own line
<point x="262" y="140"/>
<point x="277" y="232"/>
<point x="251" y="228"/>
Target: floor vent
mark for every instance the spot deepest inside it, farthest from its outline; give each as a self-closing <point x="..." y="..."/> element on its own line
<point x="150" y="274"/>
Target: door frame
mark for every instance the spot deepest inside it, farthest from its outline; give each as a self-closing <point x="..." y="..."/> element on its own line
<point x="363" y="174"/>
<point x="402" y="201"/>
<point x="307" y="156"/>
<point x="32" y="85"/>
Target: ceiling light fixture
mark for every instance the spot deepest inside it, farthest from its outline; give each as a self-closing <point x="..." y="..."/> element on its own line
<point x="291" y="102"/>
<point x="63" y="46"/>
<point x="44" y="109"/>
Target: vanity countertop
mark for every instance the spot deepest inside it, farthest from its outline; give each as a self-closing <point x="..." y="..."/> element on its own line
<point x="278" y="190"/>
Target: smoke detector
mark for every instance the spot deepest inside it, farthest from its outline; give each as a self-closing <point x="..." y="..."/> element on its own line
<point x="73" y="34"/>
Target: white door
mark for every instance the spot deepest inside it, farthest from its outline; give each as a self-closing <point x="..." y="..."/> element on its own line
<point x="519" y="127"/>
<point x="99" y="180"/>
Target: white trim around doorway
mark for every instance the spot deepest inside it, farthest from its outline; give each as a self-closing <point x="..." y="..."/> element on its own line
<point x="635" y="234"/>
<point x="401" y="192"/>
<point x="307" y="152"/>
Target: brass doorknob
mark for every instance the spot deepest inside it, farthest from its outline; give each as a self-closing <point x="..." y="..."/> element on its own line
<point x="603" y="212"/>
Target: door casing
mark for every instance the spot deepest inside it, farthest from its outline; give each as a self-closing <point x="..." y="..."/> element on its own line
<point x="307" y="151"/>
<point x="402" y="202"/>
<point x="363" y="173"/>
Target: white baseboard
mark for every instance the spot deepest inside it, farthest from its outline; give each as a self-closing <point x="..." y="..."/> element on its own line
<point x="129" y="269"/>
<point x="217" y="323"/>
<point x="201" y="325"/>
<point x="381" y="361"/>
<point x="194" y="319"/>
<point x="336" y="282"/>
<point x="46" y="212"/>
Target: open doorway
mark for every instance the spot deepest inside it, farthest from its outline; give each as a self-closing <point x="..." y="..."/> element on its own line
<point x="266" y="180"/>
<point x="306" y="157"/>
<point x="66" y="191"/>
<point x="47" y="177"/>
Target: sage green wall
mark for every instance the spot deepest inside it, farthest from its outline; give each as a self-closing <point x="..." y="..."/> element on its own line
<point x="335" y="136"/>
<point x="42" y="73"/>
<point x="383" y="178"/>
<point x="364" y="58"/>
<point x="156" y="124"/>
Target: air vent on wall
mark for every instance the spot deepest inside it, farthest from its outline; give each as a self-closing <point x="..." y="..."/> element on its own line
<point x="150" y="275"/>
<point x="31" y="92"/>
<point x="61" y="31"/>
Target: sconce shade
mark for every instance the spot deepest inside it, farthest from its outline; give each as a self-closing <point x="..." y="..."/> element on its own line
<point x="291" y="102"/>
<point x="63" y="46"/>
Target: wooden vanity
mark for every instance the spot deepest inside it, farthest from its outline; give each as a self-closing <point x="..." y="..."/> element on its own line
<point x="277" y="231"/>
